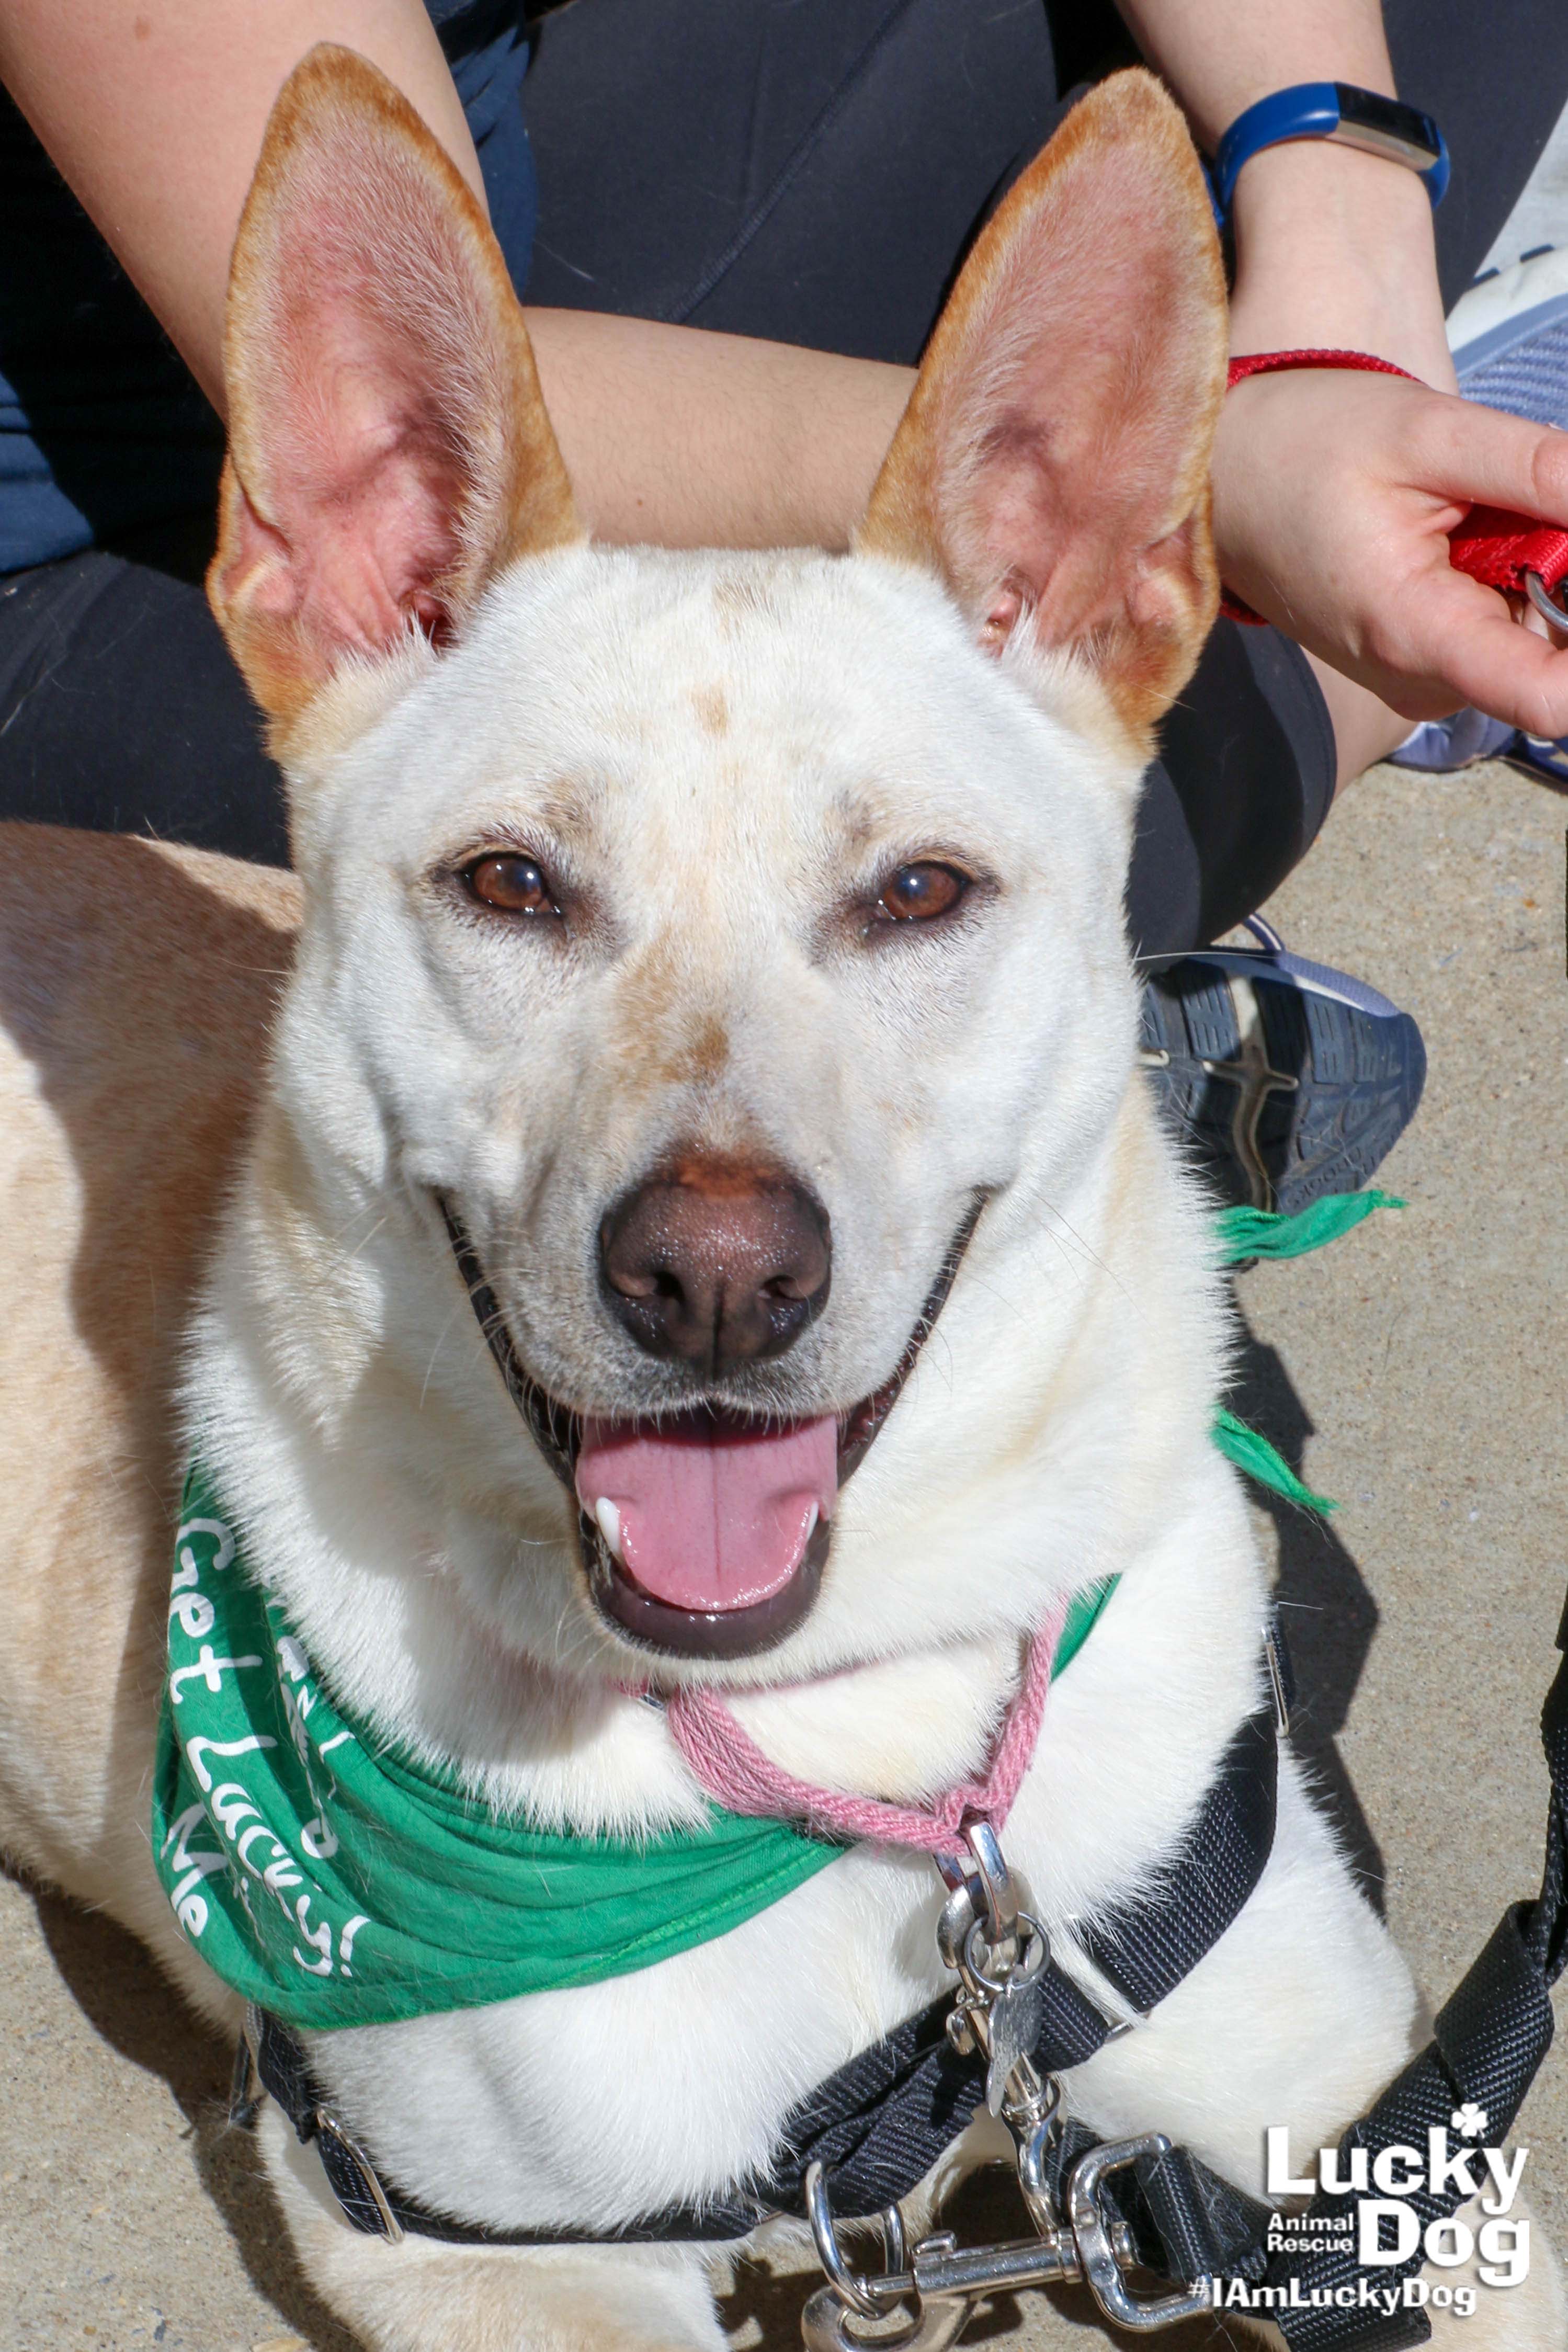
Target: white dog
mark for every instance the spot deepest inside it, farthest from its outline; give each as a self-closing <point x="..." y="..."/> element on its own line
<point x="707" y="958"/>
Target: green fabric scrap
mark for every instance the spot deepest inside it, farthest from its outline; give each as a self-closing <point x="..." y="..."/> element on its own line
<point x="1247" y="1234"/>
<point x="1259" y="1232"/>
<point x="1251" y="1452"/>
<point x="1083" y="1615"/>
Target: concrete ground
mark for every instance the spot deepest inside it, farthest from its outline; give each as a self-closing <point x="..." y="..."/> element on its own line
<point x="1416" y="1372"/>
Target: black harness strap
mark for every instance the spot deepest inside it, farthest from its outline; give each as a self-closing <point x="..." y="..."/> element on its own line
<point x="880" y="2121"/>
<point x="1187" y="2223"/>
<point x="1146" y="1948"/>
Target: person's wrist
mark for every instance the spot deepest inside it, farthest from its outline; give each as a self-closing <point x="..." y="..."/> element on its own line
<point x="1335" y="248"/>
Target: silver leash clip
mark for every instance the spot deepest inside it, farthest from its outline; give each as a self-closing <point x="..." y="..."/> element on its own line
<point x="921" y="2301"/>
<point x="1549" y="606"/>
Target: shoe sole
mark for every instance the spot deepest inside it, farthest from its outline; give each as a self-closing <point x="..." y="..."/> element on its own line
<point x="1280" y="1092"/>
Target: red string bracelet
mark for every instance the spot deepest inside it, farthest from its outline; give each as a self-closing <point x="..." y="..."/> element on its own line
<point x="1277" y="363"/>
<point x="1499" y="549"/>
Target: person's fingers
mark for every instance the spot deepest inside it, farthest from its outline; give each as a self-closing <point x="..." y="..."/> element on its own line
<point x="1445" y="627"/>
<point x="1481" y="457"/>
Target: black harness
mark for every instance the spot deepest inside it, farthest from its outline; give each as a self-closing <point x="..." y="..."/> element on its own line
<point x="880" y="2123"/>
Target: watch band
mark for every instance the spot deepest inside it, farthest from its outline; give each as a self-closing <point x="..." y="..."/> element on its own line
<point x="1338" y="111"/>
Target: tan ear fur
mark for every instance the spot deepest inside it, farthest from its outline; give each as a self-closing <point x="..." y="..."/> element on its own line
<point x="1052" y="465"/>
<point x="389" y="449"/>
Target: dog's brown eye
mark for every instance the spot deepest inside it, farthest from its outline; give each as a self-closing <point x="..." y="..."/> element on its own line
<point x="511" y="885"/>
<point x="917" y="894"/>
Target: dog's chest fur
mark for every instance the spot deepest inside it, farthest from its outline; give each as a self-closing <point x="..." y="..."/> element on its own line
<point x="588" y="2106"/>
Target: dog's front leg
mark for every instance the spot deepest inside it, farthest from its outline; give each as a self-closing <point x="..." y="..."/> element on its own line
<point x="422" y="2296"/>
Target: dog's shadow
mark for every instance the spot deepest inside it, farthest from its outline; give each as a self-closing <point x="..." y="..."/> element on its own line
<point x="1326" y="1611"/>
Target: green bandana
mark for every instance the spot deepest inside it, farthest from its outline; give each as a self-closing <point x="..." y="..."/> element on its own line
<point x="339" y="1883"/>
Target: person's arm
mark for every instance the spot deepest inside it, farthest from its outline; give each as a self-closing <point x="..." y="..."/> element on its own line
<point x="154" y="111"/>
<point x="1327" y="240"/>
<point x="1220" y="56"/>
<point x="1334" y="494"/>
<point x="679" y="437"/>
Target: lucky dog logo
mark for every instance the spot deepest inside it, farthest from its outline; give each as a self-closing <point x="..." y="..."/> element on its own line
<point x="1381" y="2227"/>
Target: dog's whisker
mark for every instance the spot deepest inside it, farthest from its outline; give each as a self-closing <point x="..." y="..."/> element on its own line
<point x="430" y="1367"/>
<point x="1090" y="1252"/>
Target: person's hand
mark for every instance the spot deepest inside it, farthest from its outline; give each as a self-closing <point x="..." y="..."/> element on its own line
<point x="1334" y="494"/>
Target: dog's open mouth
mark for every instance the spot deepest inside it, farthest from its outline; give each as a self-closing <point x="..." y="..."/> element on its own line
<point x="703" y="1534"/>
<point x="706" y="1516"/>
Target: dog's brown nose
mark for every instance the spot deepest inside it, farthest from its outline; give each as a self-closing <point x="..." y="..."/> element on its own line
<point x="716" y="1264"/>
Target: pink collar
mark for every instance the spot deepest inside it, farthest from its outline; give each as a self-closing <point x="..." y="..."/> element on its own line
<point x="732" y="1767"/>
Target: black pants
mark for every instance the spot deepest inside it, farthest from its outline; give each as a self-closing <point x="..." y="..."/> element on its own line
<point x="812" y="170"/>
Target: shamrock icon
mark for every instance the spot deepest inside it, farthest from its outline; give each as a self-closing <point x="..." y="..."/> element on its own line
<point x="1469" y="2121"/>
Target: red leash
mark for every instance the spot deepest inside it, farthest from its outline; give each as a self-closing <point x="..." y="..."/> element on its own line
<point x="1498" y="548"/>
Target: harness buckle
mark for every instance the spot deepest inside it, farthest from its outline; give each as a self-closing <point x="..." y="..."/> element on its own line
<point x="331" y="2134"/>
<point x="922" y="2303"/>
<point x="1000" y="1903"/>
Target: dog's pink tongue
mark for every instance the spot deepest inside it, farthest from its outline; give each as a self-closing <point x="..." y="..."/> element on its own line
<point x="710" y="1518"/>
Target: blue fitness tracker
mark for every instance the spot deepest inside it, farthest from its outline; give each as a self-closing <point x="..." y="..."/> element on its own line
<point x="1333" y="109"/>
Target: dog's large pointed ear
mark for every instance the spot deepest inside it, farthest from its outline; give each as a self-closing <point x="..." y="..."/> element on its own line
<point x="1052" y="465"/>
<point x="388" y="445"/>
